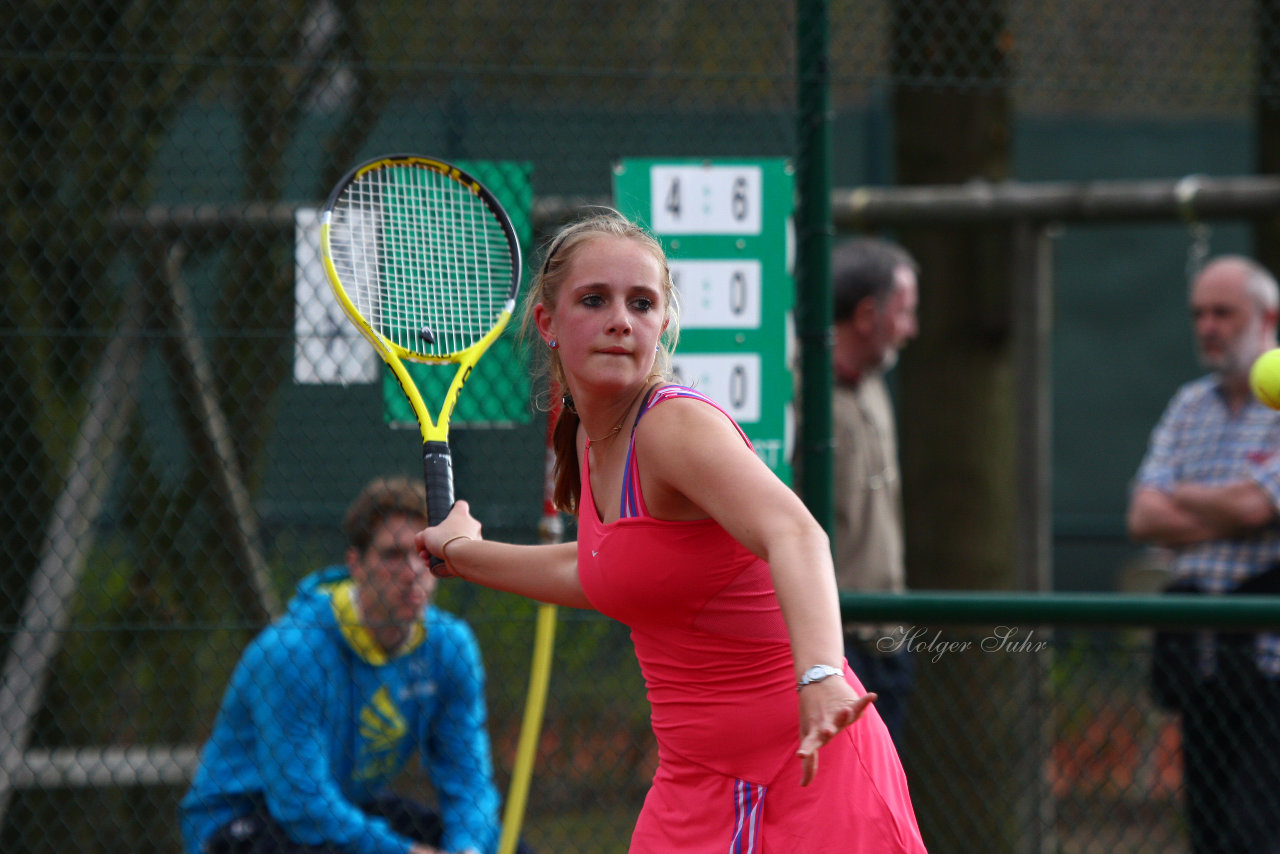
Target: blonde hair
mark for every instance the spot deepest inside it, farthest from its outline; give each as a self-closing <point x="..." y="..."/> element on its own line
<point x="545" y="289"/>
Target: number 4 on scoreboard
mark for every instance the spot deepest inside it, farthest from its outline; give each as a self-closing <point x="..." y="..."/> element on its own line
<point x="673" y="198"/>
<point x="723" y="200"/>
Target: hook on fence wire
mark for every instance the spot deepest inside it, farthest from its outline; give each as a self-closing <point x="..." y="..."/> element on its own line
<point x="1198" y="250"/>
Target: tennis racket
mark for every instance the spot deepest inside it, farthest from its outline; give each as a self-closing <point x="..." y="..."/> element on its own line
<point x="425" y="262"/>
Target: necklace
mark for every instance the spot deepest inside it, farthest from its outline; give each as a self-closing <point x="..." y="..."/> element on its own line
<point x="617" y="428"/>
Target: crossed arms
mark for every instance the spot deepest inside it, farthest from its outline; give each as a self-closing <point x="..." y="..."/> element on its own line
<point x="1193" y="513"/>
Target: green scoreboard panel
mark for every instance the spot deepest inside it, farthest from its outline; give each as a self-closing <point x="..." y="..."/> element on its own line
<point x="727" y="226"/>
<point x="497" y="393"/>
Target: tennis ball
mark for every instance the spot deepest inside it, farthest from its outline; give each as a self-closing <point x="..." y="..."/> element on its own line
<point x="1264" y="378"/>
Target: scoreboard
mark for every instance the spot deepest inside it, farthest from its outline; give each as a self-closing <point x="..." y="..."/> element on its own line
<point x="727" y="226"/>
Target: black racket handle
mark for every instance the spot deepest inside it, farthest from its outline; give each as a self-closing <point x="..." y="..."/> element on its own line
<point x="437" y="466"/>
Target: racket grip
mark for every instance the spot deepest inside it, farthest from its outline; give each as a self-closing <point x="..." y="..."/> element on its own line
<point x="437" y="467"/>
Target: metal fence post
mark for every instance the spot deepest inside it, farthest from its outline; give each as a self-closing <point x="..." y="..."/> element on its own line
<point x="813" y="256"/>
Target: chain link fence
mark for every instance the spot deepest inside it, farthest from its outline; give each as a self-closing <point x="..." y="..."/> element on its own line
<point x="183" y="419"/>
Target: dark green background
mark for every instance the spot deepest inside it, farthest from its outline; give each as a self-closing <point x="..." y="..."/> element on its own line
<point x="1121" y="339"/>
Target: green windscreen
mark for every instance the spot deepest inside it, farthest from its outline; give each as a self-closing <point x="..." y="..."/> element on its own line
<point x="497" y="392"/>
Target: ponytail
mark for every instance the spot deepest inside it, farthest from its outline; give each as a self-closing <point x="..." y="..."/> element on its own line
<point x="568" y="478"/>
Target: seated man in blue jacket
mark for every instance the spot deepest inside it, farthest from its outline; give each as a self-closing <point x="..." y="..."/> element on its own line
<point x="329" y="702"/>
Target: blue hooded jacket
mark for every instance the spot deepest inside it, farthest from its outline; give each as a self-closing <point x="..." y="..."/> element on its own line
<point x="317" y="719"/>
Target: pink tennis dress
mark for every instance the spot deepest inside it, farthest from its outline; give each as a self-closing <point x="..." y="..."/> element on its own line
<point x="716" y="659"/>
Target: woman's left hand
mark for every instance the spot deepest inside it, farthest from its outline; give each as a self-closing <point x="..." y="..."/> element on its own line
<point x="826" y="707"/>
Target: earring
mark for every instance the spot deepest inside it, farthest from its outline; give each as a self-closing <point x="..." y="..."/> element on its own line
<point x="553" y="344"/>
<point x="657" y="348"/>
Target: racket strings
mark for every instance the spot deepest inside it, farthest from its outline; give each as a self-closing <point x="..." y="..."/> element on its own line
<point x="422" y="257"/>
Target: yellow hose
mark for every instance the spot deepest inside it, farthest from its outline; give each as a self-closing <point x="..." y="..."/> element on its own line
<point x="530" y="729"/>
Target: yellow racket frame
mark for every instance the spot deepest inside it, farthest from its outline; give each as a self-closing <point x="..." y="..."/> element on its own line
<point x="433" y="429"/>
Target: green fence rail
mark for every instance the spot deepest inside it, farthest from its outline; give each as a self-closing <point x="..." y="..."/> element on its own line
<point x="1111" y="610"/>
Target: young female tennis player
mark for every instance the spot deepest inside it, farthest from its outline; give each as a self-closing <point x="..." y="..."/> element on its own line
<point x="722" y="574"/>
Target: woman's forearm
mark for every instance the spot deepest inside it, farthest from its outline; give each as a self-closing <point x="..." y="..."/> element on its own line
<point x="546" y="573"/>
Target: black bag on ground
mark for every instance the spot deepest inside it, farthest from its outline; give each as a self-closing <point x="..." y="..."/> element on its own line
<point x="1175" y="653"/>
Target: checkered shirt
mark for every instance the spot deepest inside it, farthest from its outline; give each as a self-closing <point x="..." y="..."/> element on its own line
<point x="1198" y="439"/>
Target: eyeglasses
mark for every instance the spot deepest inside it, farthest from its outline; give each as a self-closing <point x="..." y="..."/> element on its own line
<point x="394" y="557"/>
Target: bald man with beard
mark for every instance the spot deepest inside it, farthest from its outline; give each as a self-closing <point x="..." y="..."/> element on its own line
<point x="1207" y="494"/>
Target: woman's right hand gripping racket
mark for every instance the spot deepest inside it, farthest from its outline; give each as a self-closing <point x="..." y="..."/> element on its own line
<point x="425" y="262"/>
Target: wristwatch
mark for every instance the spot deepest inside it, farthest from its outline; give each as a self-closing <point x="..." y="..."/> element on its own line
<point x="817" y="673"/>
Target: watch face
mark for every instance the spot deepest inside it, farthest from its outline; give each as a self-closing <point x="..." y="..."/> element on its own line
<point x="819" y="672"/>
